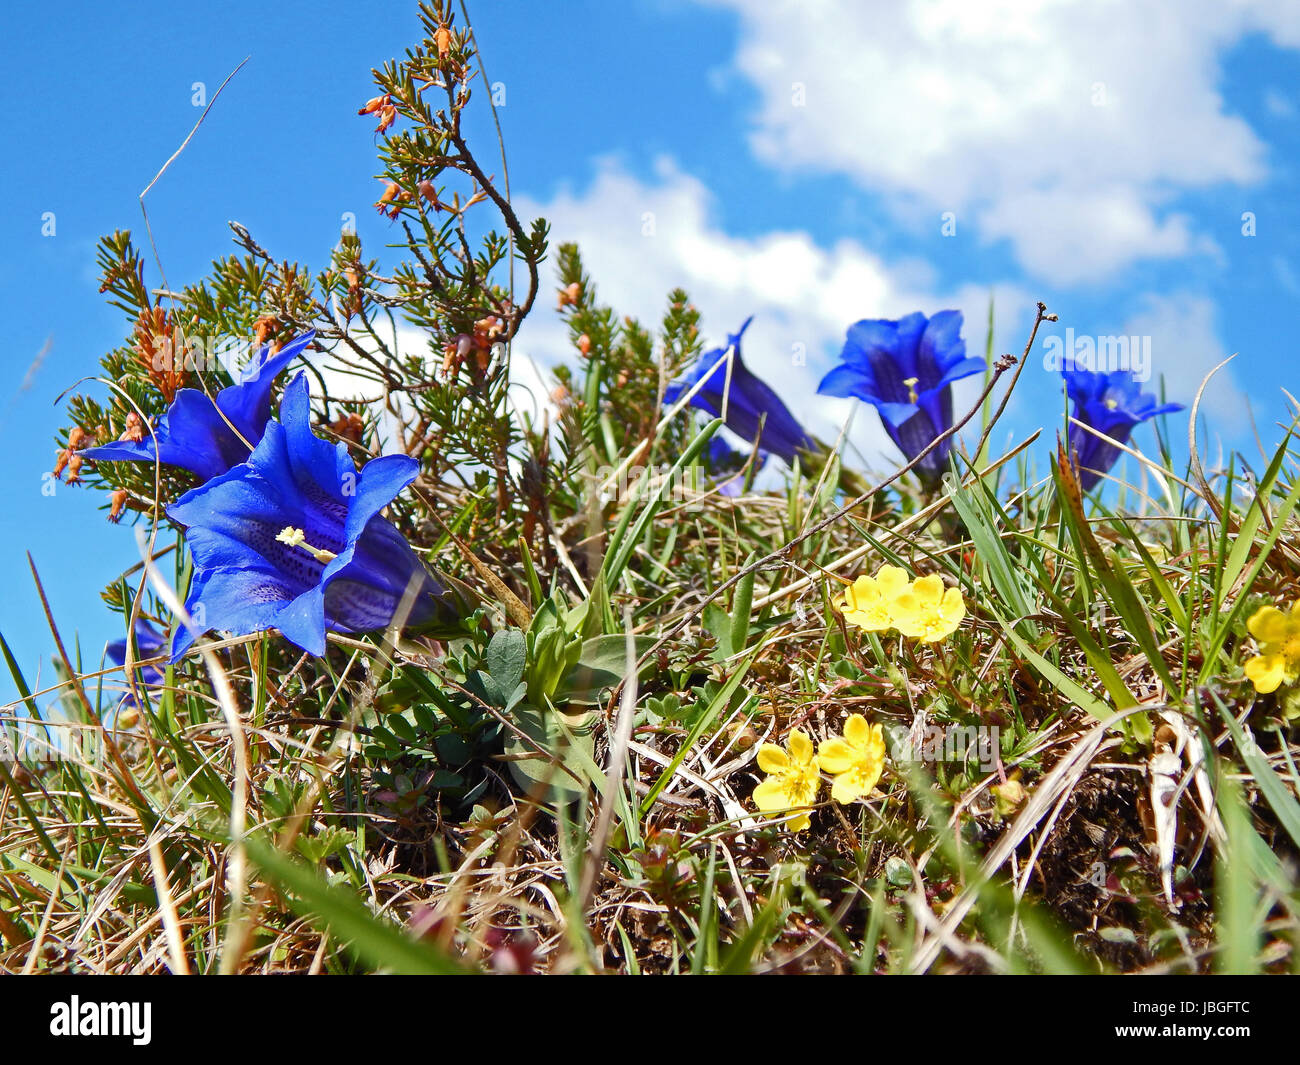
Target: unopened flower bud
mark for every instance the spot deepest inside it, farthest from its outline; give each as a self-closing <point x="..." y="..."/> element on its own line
<point x="430" y="194"/>
<point x="390" y="193"/>
<point x="1009" y="796"/>
<point x="264" y="326"/>
<point x="569" y="295"/>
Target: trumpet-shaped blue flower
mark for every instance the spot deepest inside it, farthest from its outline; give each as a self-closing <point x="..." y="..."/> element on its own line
<point x="749" y="400"/>
<point x="1112" y="403"/>
<point x="293" y="540"/>
<point x="905" y="369"/>
<point x="149" y="643"/>
<point x="210" y="437"/>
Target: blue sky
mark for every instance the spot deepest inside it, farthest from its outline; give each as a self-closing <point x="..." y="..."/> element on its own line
<point x="797" y="161"/>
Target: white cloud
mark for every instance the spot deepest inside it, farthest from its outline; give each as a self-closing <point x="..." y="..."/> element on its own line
<point x="801" y="293"/>
<point x="1064" y="126"/>
<point x="1070" y="237"/>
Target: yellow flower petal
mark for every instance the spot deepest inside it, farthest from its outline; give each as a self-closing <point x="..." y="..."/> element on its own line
<point x="876" y="743"/>
<point x="953" y="607"/>
<point x="770" y="796"/>
<point x="836" y="755"/>
<point x="861" y="594"/>
<point x="1266" y="672"/>
<point x="772" y="759"/>
<point x="874" y="620"/>
<point x="928" y="611"/>
<point x="928" y="590"/>
<point x="857" y="731"/>
<point x="844" y="790"/>
<point x="793" y="780"/>
<point x="803" y="792"/>
<point x="862" y="605"/>
<point x="1269" y="625"/>
<point x="798" y="824"/>
<point x="856" y="761"/>
<point x="801" y="748"/>
<point x="891" y="580"/>
<point x="857" y="781"/>
<point x="904" y="603"/>
<point x="910" y="625"/>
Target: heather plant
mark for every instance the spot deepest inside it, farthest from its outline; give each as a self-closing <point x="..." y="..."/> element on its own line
<point x="418" y="677"/>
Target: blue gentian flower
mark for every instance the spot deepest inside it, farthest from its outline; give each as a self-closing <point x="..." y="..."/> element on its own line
<point x="293" y="540"/>
<point x="194" y="433"/>
<point x="749" y="400"/>
<point x="905" y="369"/>
<point x="149" y="643"/>
<point x="1111" y="403"/>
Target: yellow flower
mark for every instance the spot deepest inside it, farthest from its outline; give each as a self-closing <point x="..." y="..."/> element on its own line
<point x="855" y="761"/>
<point x="927" y="611"/>
<point x="1278" y="636"/>
<point x="792" y="779"/>
<point x="867" y="602"/>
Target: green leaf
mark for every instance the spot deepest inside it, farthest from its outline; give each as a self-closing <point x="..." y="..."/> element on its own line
<point x="1229" y="618"/>
<point x="976" y="508"/>
<point x="600" y="666"/>
<point x="507" y="654"/>
<point x="740" y="610"/>
<point x="559" y="769"/>
<point x="717" y="622"/>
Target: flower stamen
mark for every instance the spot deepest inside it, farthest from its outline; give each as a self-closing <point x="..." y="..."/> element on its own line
<point x="297" y="538"/>
<point x="911" y="383"/>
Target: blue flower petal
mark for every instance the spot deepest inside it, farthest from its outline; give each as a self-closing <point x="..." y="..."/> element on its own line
<point x="379" y="484"/>
<point x="353" y="567"/>
<point x="229" y="599"/>
<point x="121" y="451"/>
<point x="963" y="368"/>
<point x="149" y="643"/>
<point x="905" y="369"/>
<point x="248" y="403"/>
<point x="1111" y="403"/>
<point x="208" y="437"/>
<point x="749" y="401"/>
<point x="849" y="380"/>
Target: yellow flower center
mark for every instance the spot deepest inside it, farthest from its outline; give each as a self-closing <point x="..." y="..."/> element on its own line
<point x="798" y="784"/>
<point x="911" y="387"/>
<point x="1291" y="652"/>
<point x="297" y="538"/>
